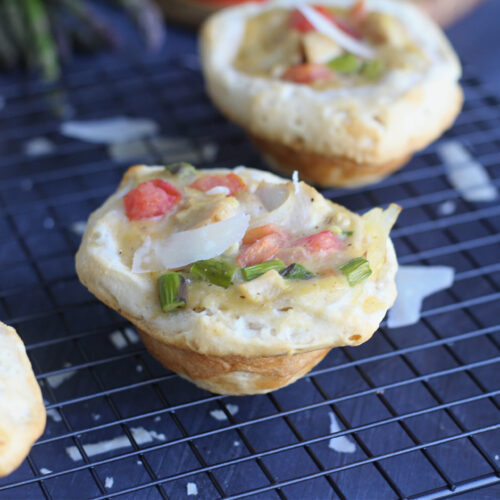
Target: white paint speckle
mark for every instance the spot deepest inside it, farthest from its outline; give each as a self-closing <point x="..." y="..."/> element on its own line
<point x="78" y="227"/>
<point x="192" y="489"/>
<point x="95" y="416"/>
<point x="447" y="207"/>
<point x="118" y="340"/>
<point x="221" y="416"/>
<point x="56" y="380"/>
<point x="236" y="443"/>
<point x="342" y="444"/>
<point x="52" y="412"/>
<point x="113" y="130"/>
<point x="48" y="223"/>
<point x="497" y="457"/>
<point x="139" y="368"/>
<point x="157" y="419"/>
<point x="108" y="482"/>
<point x="171" y="149"/>
<point x="54" y="415"/>
<point x="414" y="283"/>
<point x="140" y="435"/>
<point x="131" y="334"/>
<point x="38" y="146"/>
<point x="44" y="470"/>
<point x="465" y="174"/>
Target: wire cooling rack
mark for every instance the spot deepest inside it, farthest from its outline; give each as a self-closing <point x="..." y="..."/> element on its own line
<point x="417" y="409"/>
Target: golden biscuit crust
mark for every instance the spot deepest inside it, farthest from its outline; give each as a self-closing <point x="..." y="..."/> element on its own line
<point x="22" y="414"/>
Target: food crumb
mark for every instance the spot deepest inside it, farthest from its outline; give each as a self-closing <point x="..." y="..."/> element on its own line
<point x="44" y="470"/>
<point x="108" y="482"/>
<point x="236" y="443"/>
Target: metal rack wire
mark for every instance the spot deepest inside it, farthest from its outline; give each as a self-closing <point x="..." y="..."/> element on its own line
<point x="420" y="406"/>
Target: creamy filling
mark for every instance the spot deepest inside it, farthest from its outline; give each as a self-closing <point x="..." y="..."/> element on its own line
<point x="308" y="231"/>
<point x="282" y="44"/>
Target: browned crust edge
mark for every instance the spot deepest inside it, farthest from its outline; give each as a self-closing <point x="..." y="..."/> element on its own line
<point x="324" y="170"/>
<point x="235" y="375"/>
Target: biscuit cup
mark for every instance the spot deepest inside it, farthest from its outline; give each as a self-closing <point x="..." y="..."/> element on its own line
<point x="344" y="131"/>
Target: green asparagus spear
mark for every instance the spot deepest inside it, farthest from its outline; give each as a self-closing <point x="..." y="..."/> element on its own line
<point x="45" y="50"/>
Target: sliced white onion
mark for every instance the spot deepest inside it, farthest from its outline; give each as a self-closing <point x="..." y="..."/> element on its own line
<point x="218" y="190"/>
<point x="186" y="247"/>
<point x="301" y="213"/>
<point x="336" y="34"/>
<point x="295" y="179"/>
<point x="272" y="196"/>
<point x="287" y="204"/>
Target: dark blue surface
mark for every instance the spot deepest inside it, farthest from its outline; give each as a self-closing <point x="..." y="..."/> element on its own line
<point x="407" y="398"/>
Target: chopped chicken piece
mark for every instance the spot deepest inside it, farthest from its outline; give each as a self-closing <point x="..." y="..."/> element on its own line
<point x="319" y="48"/>
<point x="264" y="288"/>
<point x="382" y="28"/>
<point x="197" y="215"/>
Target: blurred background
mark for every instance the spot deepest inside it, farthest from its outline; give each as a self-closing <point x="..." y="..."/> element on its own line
<point x="45" y="36"/>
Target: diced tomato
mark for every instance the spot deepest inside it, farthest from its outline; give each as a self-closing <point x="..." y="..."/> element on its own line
<point x="151" y="199"/>
<point x="358" y="12"/>
<point x="233" y="182"/>
<point x="318" y="245"/>
<point x="256" y="233"/>
<point x="260" y="251"/>
<point x="307" y="73"/>
<point x="324" y="243"/>
<point x="300" y="23"/>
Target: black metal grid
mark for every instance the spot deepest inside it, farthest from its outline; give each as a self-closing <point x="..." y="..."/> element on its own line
<point x="421" y="403"/>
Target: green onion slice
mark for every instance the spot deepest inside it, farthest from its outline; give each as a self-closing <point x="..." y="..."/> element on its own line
<point x="173" y="291"/>
<point x="252" y="272"/>
<point x="182" y="168"/>
<point x="372" y="70"/>
<point x="217" y="271"/>
<point x="346" y="63"/>
<point x="297" y="272"/>
<point x="356" y="270"/>
<point x="347" y="233"/>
